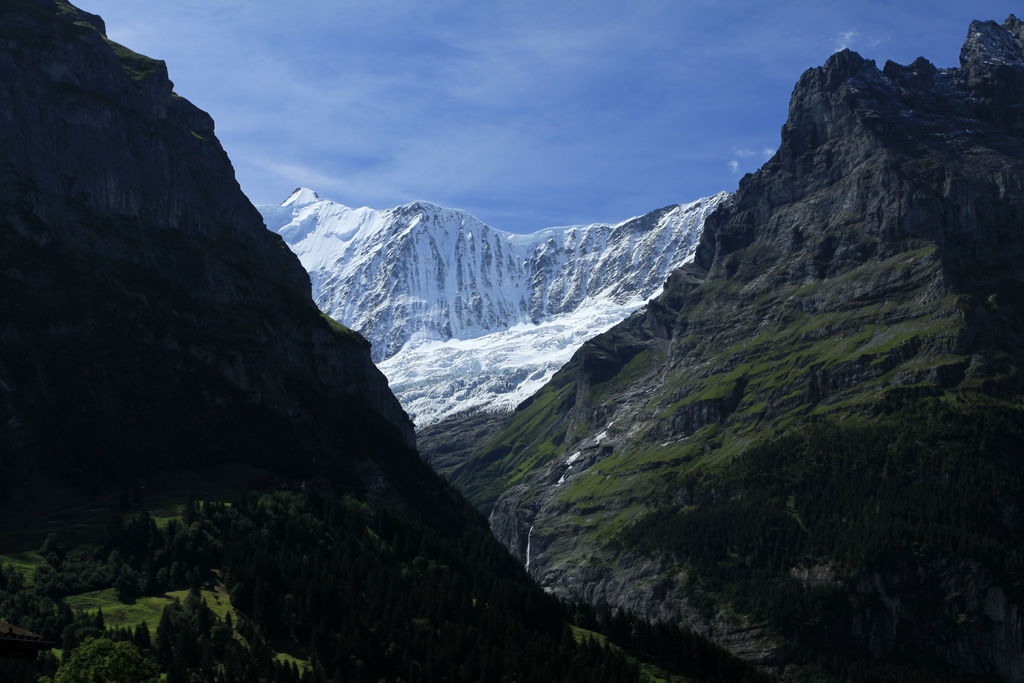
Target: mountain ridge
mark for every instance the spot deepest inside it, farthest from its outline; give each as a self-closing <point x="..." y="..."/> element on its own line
<point x="465" y="317"/>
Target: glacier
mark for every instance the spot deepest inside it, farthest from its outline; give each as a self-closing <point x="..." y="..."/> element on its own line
<point x="465" y="317"/>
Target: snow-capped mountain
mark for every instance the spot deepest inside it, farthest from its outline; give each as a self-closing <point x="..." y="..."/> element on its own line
<point x="463" y="316"/>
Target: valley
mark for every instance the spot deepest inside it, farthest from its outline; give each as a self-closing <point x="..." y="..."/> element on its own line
<point x="205" y="477"/>
<point x="773" y="434"/>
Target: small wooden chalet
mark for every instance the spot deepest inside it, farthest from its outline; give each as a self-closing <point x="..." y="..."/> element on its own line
<point x="17" y="643"/>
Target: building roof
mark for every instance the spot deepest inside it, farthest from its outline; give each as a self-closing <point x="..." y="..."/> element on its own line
<point x="19" y="643"/>
<point x="10" y="631"/>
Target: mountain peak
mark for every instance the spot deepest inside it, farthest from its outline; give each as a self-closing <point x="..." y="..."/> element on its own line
<point x="301" y="196"/>
<point x="1016" y="27"/>
<point x="992" y="72"/>
<point x="988" y="44"/>
<point x="425" y="206"/>
<point x="845" y="64"/>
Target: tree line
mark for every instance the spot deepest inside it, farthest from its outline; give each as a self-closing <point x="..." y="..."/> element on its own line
<point x="349" y="588"/>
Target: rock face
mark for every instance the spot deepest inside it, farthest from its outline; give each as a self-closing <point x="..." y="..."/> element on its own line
<point x="872" y="263"/>
<point x="464" y="317"/>
<point x="147" y="317"/>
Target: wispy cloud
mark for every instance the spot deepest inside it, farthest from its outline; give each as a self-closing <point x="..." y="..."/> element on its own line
<point x="743" y="154"/>
<point x="862" y="41"/>
<point x="297" y="174"/>
<point x="523" y="108"/>
<point x="764" y="153"/>
<point x="846" y="39"/>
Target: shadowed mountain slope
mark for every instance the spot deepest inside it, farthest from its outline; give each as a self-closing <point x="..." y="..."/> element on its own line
<point x="148" y="319"/>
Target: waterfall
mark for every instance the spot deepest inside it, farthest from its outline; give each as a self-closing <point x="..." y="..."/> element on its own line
<point x="529" y="539"/>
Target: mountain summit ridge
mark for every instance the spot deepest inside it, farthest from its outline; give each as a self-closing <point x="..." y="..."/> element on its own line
<point x="498" y="289"/>
<point x="463" y="316"/>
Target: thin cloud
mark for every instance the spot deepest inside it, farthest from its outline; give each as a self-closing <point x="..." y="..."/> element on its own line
<point x="742" y="157"/>
<point x="747" y="153"/>
<point x="525" y="108"/>
<point x="846" y="39"/>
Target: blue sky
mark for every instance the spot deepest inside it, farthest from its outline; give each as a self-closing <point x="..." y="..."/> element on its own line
<point x="528" y="114"/>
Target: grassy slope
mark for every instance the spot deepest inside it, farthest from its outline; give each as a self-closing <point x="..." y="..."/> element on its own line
<point x="765" y="365"/>
<point x="148" y="609"/>
<point x="862" y="352"/>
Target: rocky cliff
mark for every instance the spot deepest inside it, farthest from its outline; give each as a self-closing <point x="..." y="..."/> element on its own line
<point x="147" y="318"/>
<point x="821" y="411"/>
